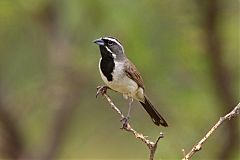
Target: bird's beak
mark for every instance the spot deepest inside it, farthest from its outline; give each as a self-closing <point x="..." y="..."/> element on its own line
<point x="99" y="41"/>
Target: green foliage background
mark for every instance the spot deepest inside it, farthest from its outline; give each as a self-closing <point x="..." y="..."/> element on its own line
<point x="164" y="39"/>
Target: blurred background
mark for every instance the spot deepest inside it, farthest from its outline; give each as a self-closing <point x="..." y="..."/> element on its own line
<point x="187" y="53"/>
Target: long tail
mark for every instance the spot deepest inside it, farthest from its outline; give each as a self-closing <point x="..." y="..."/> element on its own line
<point x="156" y="117"/>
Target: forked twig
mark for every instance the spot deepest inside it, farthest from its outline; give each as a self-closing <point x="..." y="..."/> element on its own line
<point x="152" y="146"/>
<point x="198" y="146"/>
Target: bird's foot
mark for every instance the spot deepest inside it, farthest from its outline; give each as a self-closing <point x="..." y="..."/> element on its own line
<point x="125" y="121"/>
<point x="101" y="90"/>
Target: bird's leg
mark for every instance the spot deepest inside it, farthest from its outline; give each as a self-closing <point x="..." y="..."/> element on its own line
<point x="129" y="107"/>
<point x="102" y="90"/>
<point x="126" y="119"/>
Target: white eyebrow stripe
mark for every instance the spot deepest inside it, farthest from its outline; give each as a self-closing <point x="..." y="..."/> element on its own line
<point x="114" y="40"/>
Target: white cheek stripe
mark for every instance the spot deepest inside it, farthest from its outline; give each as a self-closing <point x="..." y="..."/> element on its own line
<point x="114" y="55"/>
<point x="109" y="50"/>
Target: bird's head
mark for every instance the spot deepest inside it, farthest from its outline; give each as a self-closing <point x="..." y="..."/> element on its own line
<point x="110" y="46"/>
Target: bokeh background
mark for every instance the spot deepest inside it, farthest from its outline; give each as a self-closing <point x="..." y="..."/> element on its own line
<point x="187" y="53"/>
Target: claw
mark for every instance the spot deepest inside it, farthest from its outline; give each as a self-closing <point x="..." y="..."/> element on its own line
<point x="101" y="90"/>
<point x="125" y="121"/>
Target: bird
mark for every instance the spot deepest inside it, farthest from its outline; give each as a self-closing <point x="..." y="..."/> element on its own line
<point x="121" y="75"/>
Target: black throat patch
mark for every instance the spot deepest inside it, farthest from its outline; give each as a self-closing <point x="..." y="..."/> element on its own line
<point x="107" y="64"/>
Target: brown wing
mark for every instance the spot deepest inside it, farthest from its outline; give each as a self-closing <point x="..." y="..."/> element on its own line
<point x="132" y="73"/>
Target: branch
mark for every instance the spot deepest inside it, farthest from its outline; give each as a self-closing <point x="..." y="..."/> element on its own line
<point x="152" y="146"/>
<point x="198" y="146"/>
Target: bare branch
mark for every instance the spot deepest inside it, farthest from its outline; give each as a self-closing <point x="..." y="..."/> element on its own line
<point x="152" y="146"/>
<point x="198" y="146"/>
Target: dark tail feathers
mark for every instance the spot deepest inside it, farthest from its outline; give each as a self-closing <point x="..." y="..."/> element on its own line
<point x="156" y="117"/>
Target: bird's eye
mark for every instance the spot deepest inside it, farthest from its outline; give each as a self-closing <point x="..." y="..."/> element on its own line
<point x="110" y="43"/>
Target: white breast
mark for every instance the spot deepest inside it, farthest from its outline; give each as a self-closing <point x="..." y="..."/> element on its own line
<point x="121" y="82"/>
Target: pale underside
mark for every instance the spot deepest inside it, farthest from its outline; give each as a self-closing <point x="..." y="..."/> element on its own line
<point x="123" y="84"/>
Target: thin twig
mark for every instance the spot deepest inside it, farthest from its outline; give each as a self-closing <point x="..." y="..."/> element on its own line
<point x="198" y="146"/>
<point x="152" y="146"/>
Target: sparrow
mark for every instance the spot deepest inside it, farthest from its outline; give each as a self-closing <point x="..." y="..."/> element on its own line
<point x="121" y="75"/>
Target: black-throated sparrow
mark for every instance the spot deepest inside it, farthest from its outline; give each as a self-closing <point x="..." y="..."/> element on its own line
<point x="120" y="74"/>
